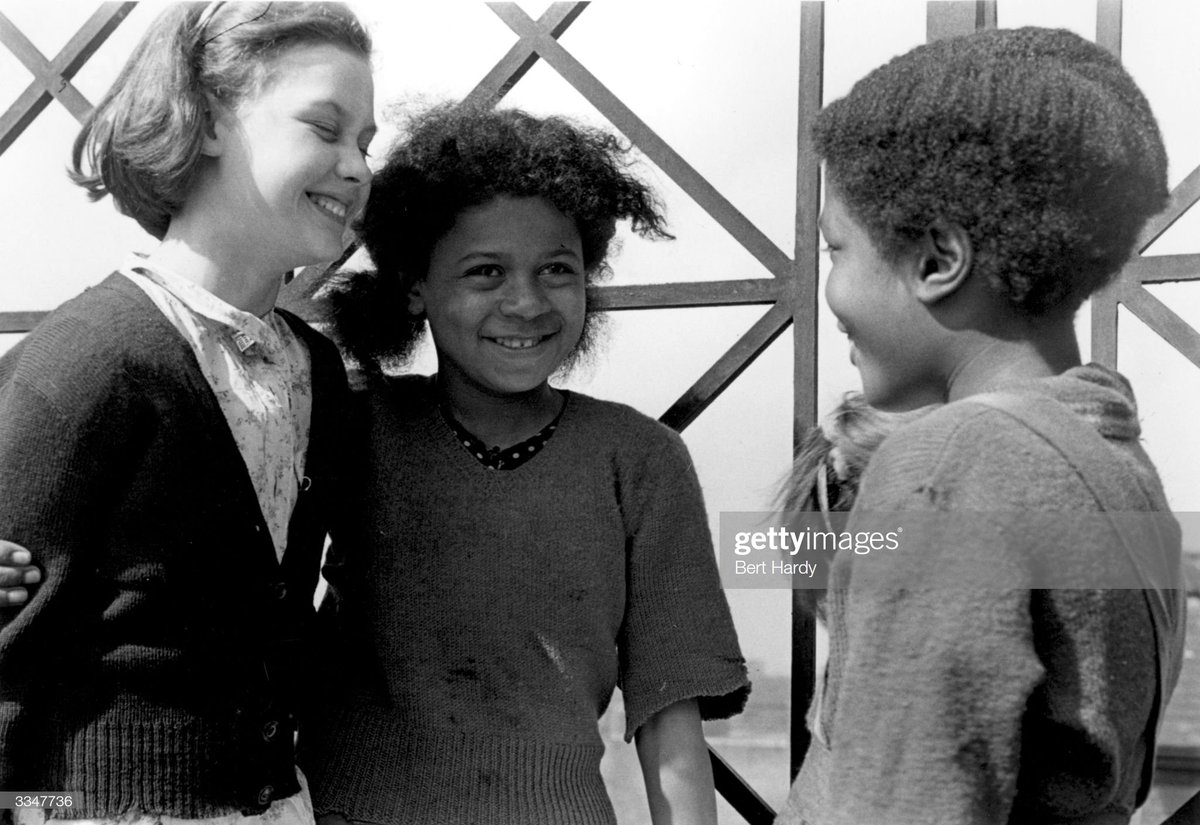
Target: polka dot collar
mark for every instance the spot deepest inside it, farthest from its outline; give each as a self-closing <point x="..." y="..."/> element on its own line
<point x="501" y="458"/>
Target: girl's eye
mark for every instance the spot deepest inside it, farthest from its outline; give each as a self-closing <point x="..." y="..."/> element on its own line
<point x="327" y="131"/>
<point x="484" y="271"/>
<point x="559" y="271"/>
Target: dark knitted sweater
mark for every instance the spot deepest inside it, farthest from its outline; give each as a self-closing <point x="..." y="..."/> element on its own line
<point x="157" y="667"/>
<point x="486" y="616"/>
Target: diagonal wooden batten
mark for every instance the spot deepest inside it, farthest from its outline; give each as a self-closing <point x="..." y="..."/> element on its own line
<point x="1163" y="320"/>
<point x="685" y="294"/>
<point x="1183" y="197"/>
<point x="19" y="322"/>
<point x="52" y="78"/>
<point x="655" y="148"/>
<point x="738" y="793"/>
<point x="46" y="78"/>
<point x="727" y="368"/>
<point x="522" y="56"/>
<point x="18" y="117"/>
<point x="1165" y="269"/>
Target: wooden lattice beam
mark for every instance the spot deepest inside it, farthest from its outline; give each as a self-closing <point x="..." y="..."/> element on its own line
<point x="523" y="55"/>
<point x="655" y="148"/>
<point x="1165" y="269"/>
<point x="949" y="18"/>
<point x="1104" y="302"/>
<point x="52" y="78"/>
<point x="1183" y="197"/>
<point x="1162" y="319"/>
<point x="19" y="322"/>
<point x="804" y="290"/>
<point x="728" y="367"/>
<point x="1108" y="25"/>
<point x="687" y="294"/>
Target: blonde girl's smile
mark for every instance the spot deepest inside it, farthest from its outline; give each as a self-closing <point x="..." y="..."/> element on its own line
<point x="292" y="158"/>
<point x="331" y="206"/>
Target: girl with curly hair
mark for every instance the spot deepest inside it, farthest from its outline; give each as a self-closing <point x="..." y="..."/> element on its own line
<point x="512" y="551"/>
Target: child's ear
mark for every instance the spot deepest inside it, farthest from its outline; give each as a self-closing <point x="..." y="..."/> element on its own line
<point x="416" y="300"/>
<point x="213" y="145"/>
<point x="945" y="262"/>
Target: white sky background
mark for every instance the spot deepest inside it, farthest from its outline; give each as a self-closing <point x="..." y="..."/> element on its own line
<point x="717" y="81"/>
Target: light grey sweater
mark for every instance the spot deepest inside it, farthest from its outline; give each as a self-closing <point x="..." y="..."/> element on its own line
<point x="954" y="692"/>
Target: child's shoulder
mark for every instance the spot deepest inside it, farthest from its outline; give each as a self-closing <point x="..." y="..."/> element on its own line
<point x="620" y="422"/>
<point x="103" y="328"/>
<point x="974" y="444"/>
<point x="409" y="395"/>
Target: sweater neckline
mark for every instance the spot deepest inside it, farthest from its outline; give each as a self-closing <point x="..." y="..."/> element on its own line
<point x="1095" y="393"/>
<point x="507" y="457"/>
<point x="445" y="434"/>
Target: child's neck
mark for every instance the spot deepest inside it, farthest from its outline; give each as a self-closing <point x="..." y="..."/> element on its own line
<point x="218" y="269"/>
<point x="995" y="362"/>
<point x="500" y="420"/>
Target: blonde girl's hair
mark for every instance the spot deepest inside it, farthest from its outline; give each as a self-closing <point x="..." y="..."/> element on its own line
<point x="142" y="143"/>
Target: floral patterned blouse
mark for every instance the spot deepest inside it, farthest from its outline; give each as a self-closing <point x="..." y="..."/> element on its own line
<point x="262" y="377"/>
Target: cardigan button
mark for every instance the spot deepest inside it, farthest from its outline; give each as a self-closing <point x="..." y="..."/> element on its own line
<point x="265" y="794"/>
<point x="279" y="590"/>
<point x="270" y="731"/>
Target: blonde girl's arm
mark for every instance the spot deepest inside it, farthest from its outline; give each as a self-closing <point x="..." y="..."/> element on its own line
<point x="675" y="767"/>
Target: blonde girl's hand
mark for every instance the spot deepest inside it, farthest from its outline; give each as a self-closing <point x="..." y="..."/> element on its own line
<point x="16" y="571"/>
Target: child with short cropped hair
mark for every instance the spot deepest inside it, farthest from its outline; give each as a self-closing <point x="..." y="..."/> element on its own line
<point x="979" y="189"/>
<point x="168" y="411"/>
<point x="515" y="551"/>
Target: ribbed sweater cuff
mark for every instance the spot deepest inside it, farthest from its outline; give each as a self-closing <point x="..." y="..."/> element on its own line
<point x="368" y="764"/>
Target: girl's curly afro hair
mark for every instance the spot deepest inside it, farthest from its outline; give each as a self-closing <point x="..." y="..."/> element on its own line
<point x="1035" y="141"/>
<point x="453" y="157"/>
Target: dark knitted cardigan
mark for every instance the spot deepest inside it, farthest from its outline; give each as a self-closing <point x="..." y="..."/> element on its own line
<point x="157" y="667"/>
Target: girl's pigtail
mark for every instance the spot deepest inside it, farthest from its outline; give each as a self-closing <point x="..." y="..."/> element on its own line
<point x="366" y="315"/>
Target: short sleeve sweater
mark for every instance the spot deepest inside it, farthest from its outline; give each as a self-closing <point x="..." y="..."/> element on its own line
<point x="486" y="616"/>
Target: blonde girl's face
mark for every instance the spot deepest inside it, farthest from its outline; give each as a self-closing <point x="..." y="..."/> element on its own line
<point x="504" y="295"/>
<point x="291" y="164"/>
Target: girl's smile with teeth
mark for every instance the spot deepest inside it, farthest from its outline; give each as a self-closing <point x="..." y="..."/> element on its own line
<point x="504" y="295"/>
<point x="331" y="206"/>
<point x="518" y="343"/>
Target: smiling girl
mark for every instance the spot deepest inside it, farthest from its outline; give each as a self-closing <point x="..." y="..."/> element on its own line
<point x="515" y="550"/>
<point x="169" y="410"/>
